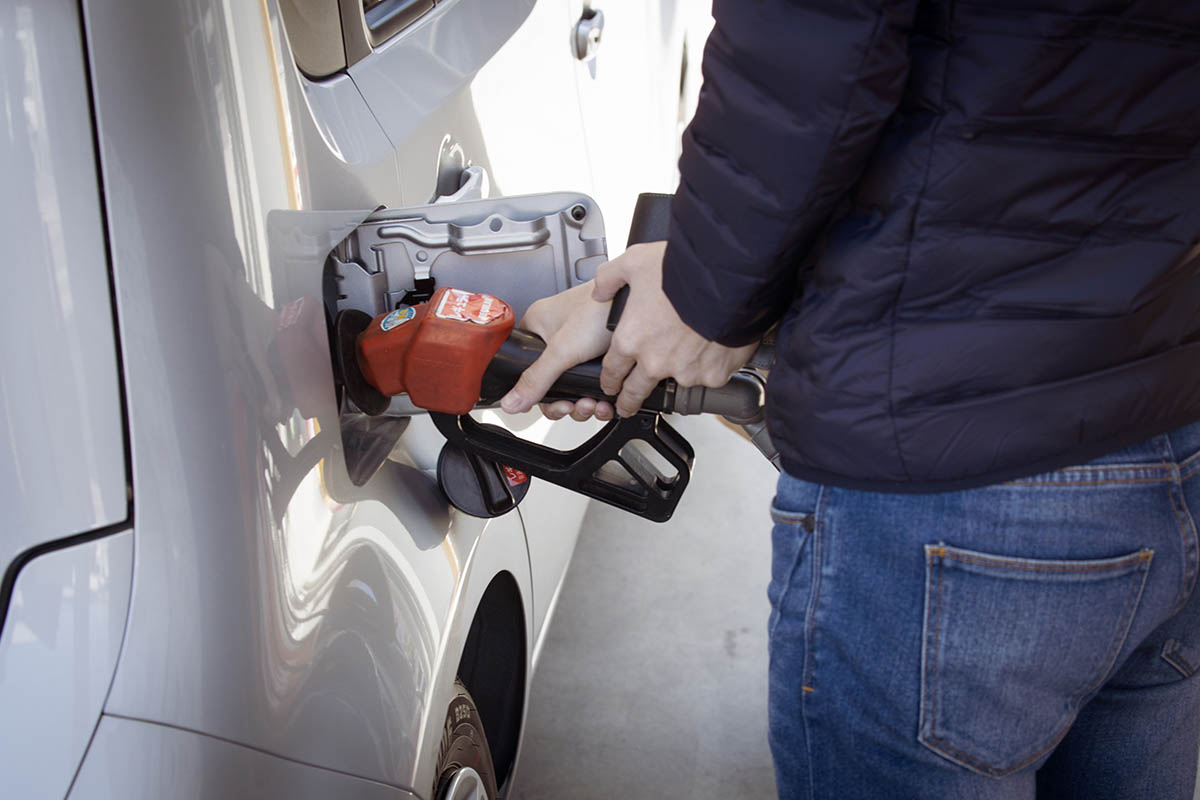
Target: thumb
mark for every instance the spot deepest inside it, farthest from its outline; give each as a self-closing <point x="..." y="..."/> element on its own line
<point x="533" y="384"/>
<point x="610" y="277"/>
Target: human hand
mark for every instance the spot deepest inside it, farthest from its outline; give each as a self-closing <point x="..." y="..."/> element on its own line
<point x="573" y="326"/>
<point x="651" y="341"/>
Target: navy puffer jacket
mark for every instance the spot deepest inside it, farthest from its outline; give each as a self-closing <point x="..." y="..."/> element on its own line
<point x="978" y="222"/>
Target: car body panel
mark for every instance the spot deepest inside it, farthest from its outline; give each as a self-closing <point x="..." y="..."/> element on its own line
<point x="276" y="607"/>
<point x="62" y="451"/>
<point x="268" y="588"/>
<point x="411" y="76"/>
<point x="344" y="119"/>
<point x="614" y="91"/>
<point x="136" y="760"/>
<point x="520" y="113"/>
<point x="57" y="653"/>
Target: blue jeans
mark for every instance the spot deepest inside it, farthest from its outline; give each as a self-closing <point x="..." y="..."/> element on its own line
<point x="1033" y="638"/>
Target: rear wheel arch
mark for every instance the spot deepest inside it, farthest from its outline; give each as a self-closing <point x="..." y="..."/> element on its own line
<point x="493" y="667"/>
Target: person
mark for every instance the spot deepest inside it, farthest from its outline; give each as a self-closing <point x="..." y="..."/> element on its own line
<point x="976" y="226"/>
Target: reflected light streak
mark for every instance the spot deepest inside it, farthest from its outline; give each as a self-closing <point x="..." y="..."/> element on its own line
<point x="50" y="210"/>
<point x="287" y="137"/>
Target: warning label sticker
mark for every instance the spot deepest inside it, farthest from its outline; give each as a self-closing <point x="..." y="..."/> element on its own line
<point x="514" y="476"/>
<point x="470" y="307"/>
<point x="398" y="317"/>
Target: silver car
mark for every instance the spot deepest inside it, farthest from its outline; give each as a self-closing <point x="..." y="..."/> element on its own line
<point x="220" y="579"/>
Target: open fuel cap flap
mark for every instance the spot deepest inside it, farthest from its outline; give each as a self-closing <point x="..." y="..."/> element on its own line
<point x="518" y="248"/>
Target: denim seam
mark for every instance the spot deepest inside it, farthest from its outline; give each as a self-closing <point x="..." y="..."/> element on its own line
<point x="817" y="537"/>
<point x="1104" y="468"/>
<point x="937" y="638"/>
<point x="1143" y="556"/>
<point x="1187" y="536"/>
<point x="1183" y="516"/>
<point x="1191" y="536"/>
<point x="814" y="599"/>
<point x="1170" y="654"/>
<point x="1127" y="613"/>
<point x="1105" y="482"/>
<point x="787" y="586"/>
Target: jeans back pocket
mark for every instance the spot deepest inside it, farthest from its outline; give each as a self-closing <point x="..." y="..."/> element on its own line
<point x="1012" y="647"/>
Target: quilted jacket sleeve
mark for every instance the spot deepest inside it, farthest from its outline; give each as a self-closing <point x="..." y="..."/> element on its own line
<point x="795" y="95"/>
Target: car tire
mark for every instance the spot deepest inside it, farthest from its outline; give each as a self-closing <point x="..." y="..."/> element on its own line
<point x="464" y="765"/>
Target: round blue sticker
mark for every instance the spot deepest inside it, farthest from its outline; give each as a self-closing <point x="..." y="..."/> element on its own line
<point x="398" y="317"/>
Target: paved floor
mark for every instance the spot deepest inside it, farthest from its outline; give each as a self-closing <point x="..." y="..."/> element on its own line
<point x="652" y="681"/>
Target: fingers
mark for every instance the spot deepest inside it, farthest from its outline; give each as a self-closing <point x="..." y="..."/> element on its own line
<point x="637" y="387"/>
<point x="581" y="410"/>
<point x="534" y="382"/>
<point x="584" y="408"/>
<point x="610" y="277"/>
<point x="558" y="409"/>
<point x="613" y="369"/>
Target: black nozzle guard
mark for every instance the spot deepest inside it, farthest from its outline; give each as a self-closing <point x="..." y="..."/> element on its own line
<point x="609" y="467"/>
<point x="346" y="329"/>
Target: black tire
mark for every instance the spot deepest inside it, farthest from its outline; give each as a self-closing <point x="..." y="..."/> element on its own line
<point x="463" y="745"/>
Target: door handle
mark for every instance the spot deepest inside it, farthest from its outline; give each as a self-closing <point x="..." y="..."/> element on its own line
<point x="588" y="31"/>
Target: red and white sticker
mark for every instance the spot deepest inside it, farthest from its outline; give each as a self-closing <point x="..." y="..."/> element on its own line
<point x="514" y="476"/>
<point x="470" y="307"/>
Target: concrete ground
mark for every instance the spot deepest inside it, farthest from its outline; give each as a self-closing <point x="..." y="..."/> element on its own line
<point x="652" y="681"/>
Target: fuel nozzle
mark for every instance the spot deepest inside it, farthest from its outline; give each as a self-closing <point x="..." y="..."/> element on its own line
<point x="461" y="350"/>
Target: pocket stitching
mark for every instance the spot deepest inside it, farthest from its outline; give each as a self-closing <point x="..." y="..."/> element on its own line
<point x="929" y="737"/>
<point x="1030" y="565"/>
<point x="1098" y="482"/>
